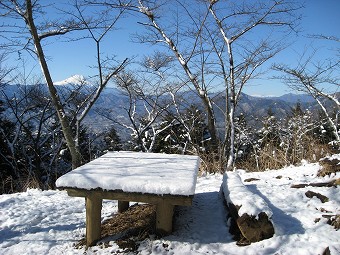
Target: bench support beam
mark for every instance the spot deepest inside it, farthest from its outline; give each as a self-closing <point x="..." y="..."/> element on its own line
<point x="164" y="214"/>
<point x="164" y="208"/>
<point x="93" y="219"/>
<point x="123" y="206"/>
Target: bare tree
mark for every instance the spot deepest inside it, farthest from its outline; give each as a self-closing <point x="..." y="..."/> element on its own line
<point x="198" y="86"/>
<point x="225" y="43"/>
<point x="5" y="71"/>
<point x="39" y="30"/>
<point x="320" y="79"/>
<point x="34" y="143"/>
<point x="106" y="70"/>
<point x="146" y="104"/>
<point x="238" y="70"/>
<point x="188" y="126"/>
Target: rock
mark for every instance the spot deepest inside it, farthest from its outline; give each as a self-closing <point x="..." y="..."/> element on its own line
<point x="251" y="179"/>
<point x="311" y="194"/>
<point x="255" y="230"/>
<point x="333" y="221"/>
<point x="326" y="251"/>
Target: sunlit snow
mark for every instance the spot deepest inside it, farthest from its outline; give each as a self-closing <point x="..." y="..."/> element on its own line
<point x="73" y="80"/>
<point x="140" y="172"/>
<point x="50" y="222"/>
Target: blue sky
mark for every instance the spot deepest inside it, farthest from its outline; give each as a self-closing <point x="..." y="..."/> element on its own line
<point x="67" y="59"/>
<point x="319" y="17"/>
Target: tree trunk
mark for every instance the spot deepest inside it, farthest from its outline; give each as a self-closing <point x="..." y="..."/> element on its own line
<point x="233" y="102"/>
<point x="231" y="156"/>
<point x="65" y="124"/>
<point x="214" y="141"/>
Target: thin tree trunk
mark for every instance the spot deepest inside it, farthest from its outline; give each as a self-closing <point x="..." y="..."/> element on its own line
<point x="329" y="119"/>
<point x="66" y="128"/>
<point x="229" y="125"/>
<point x="204" y="97"/>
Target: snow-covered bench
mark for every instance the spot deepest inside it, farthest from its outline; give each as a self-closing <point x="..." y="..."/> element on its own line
<point x="165" y="180"/>
<point x="249" y="210"/>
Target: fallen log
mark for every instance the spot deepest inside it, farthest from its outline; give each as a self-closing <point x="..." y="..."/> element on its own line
<point x="249" y="211"/>
<point x="332" y="183"/>
<point x="255" y="229"/>
<point x="251" y="179"/>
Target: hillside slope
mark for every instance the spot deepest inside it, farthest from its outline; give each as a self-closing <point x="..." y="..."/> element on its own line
<point x="50" y="222"/>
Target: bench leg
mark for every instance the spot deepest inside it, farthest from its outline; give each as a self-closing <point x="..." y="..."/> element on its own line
<point x="123" y="206"/>
<point x="93" y="219"/>
<point x="164" y="214"/>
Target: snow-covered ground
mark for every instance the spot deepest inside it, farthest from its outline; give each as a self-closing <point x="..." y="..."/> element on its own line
<point x="50" y="222"/>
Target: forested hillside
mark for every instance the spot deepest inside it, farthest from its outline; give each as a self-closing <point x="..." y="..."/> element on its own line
<point x="157" y="82"/>
<point x="270" y="132"/>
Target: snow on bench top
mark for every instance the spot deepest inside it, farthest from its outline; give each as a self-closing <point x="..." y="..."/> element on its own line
<point x="237" y="193"/>
<point x="152" y="173"/>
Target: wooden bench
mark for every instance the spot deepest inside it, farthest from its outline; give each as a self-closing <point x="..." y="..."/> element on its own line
<point x="126" y="176"/>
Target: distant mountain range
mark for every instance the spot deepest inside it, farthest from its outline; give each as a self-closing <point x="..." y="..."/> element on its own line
<point x="294" y="98"/>
<point x="116" y="101"/>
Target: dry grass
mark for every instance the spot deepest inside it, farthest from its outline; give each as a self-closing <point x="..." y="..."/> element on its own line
<point x="329" y="166"/>
<point x="128" y="228"/>
<point x="11" y="185"/>
<point x="7" y="185"/>
<point x="212" y="163"/>
<point x="30" y="182"/>
<point x="268" y="158"/>
<point x="273" y="157"/>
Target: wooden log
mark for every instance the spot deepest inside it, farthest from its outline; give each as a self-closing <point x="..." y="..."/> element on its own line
<point x="332" y="183"/>
<point x="255" y="230"/>
<point x="93" y="219"/>
<point x="164" y="214"/>
<point x="251" y="179"/>
<point x="123" y="206"/>
<point x="252" y="226"/>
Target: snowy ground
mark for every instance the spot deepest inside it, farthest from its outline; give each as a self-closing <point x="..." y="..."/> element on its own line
<point x="50" y="222"/>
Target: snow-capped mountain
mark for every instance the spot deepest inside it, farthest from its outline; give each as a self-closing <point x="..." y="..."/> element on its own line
<point x="76" y="79"/>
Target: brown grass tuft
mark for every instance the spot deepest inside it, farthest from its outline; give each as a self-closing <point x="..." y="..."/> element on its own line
<point x="274" y="157"/>
<point x="212" y="163"/>
<point x="128" y="228"/>
<point x="329" y="166"/>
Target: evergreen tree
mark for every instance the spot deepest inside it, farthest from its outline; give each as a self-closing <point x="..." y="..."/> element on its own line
<point x="6" y="169"/>
<point x="324" y="132"/>
<point x="187" y="133"/>
<point x="298" y="135"/>
<point x="112" y="140"/>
